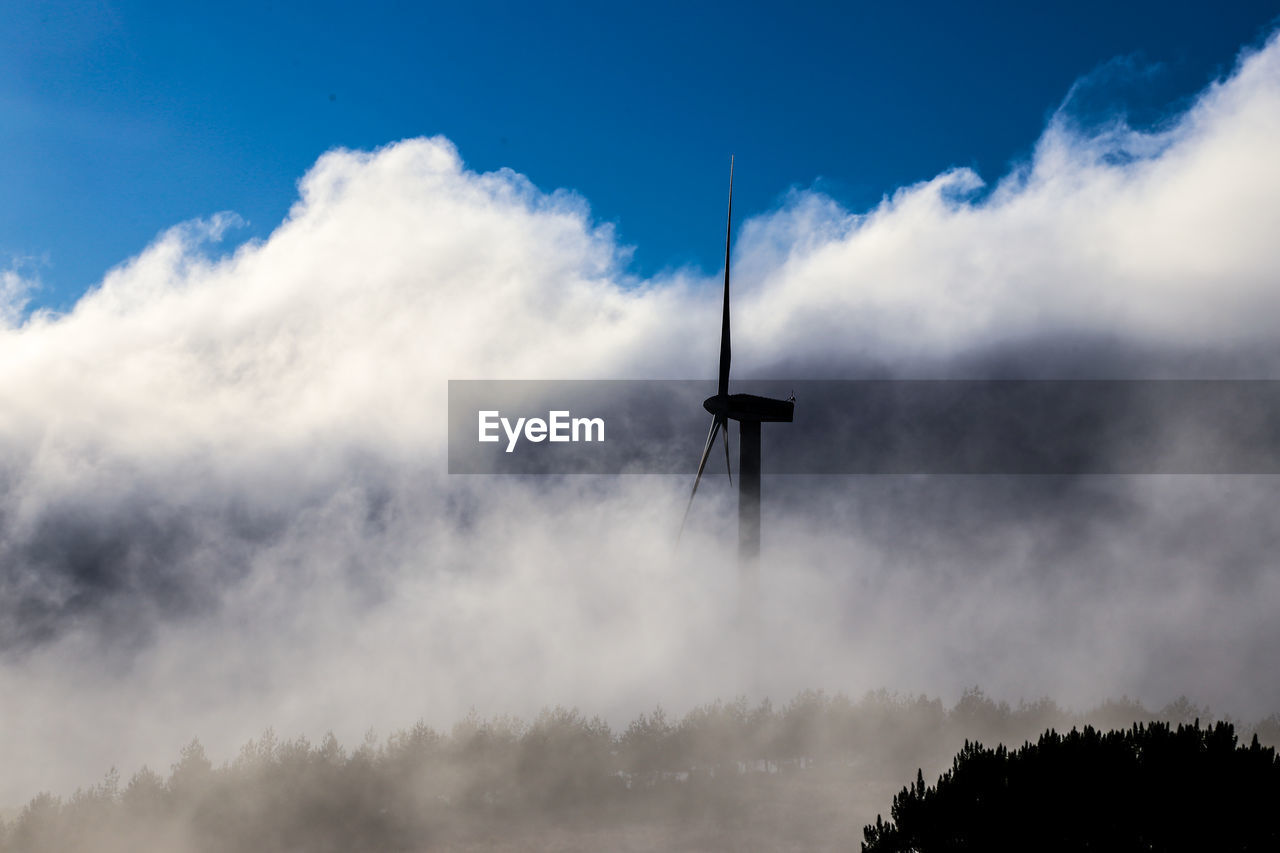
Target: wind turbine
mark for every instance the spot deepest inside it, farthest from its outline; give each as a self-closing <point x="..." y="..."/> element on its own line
<point x="749" y="411"/>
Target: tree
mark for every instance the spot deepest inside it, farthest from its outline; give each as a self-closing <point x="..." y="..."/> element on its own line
<point x="565" y="760"/>
<point x="39" y="826"/>
<point x="1147" y="788"/>
<point x="145" y="795"/>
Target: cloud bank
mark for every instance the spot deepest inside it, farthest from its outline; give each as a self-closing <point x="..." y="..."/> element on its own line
<point x="224" y="502"/>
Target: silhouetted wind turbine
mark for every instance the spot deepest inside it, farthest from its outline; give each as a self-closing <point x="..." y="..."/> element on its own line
<point x="749" y="411"/>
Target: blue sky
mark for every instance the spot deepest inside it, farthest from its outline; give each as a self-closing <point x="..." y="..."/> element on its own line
<point x="121" y="119"/>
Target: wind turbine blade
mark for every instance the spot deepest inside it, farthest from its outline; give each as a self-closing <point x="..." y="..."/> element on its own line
<point x="702" y="464"/>
<point x="725" y="349"/>
<point x="727" y="467"/>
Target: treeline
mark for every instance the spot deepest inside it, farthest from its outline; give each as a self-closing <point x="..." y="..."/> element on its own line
<point x="808" y="774"/>
<point x="1151" y="787"/>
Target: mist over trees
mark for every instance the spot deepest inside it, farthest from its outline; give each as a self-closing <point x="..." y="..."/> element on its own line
<point x="728" y="775"/>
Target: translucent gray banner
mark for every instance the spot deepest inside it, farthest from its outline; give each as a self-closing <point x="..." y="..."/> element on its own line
<point x="873" y="427"/>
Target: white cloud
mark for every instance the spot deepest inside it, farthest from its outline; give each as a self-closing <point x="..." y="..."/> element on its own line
<point x="1163" y="237"/>
<point x="14" y="290"/>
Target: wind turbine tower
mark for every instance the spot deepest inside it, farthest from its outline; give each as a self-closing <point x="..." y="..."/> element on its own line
<point x="749" y="411"/>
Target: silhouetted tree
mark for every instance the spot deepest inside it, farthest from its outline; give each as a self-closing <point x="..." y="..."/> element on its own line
<point x="1150" y="787"/>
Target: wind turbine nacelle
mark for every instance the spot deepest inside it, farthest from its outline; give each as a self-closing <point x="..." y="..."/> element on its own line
<point x="749" y="407"/>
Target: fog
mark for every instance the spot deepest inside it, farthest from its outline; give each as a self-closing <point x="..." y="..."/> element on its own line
<point x="224" y="502"/>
